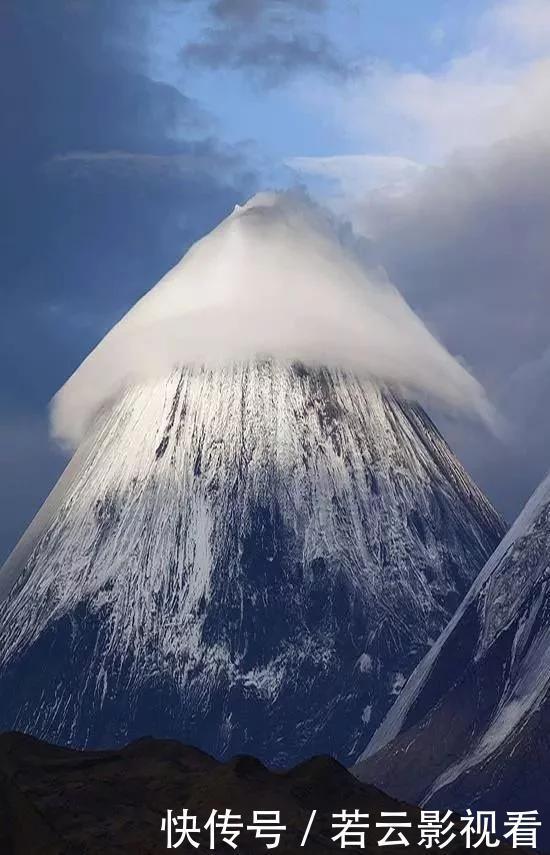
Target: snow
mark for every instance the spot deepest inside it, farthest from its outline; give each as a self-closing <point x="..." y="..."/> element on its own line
<point x="398" y="682"/>
<point x="496" y="570"/>
<point x="365" y="663"/>
<point x="366" y="714"/>
<point x="241" y="533"/>
<point x="509" y="595"/>
<point x="517" y="703"/>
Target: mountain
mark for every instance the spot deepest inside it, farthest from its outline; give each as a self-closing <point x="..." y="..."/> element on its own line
<point x="55" y="801"/>
<point x="251" y="557"/>
<point x="471" y="727"/>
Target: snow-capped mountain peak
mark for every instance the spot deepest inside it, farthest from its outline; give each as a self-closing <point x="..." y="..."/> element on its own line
<point x="250" y="557"/>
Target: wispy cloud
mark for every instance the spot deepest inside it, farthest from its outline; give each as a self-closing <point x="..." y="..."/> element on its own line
<point x="497" y="88"/>
<point x="206" y="157"/>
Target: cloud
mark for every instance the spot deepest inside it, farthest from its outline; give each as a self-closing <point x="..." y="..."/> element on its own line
<point x="345" y="179"/>
<point x="469" y="241"/>
<point x="107" y="177"/>
<point x="206" y="158"/>
<point x="276" y="278"/>
<point x="111" y="169"/>
<point x="464" y="236"/>
<point x="373" y="171"/>
<point x="274" y="39"/>
<point x="250" y="10"/>
<point x="467" y="244"/>
<point x="497" y="88"/>
<point x="474" y="100"/>
<point x="523" y="22"/>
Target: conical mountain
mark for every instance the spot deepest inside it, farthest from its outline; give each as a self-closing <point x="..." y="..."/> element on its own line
<point x="471" y="727"/>
<point x="249" y="554"/>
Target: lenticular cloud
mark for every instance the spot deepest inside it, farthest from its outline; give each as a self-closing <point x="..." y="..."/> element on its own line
<point x="274" y="279"/>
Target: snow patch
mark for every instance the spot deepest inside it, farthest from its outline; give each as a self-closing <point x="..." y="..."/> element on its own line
<point x="365" y="663"/>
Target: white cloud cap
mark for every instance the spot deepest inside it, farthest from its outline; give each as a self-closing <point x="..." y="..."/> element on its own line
<point x="273" y="279"/>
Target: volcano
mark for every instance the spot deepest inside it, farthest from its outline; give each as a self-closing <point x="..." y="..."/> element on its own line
<point x="250" y="553"/>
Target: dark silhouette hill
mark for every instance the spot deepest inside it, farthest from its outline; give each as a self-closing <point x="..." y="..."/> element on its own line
<point x="59" y="801"/>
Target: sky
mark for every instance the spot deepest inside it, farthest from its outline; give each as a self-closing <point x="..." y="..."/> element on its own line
<point x="132" y="128"/>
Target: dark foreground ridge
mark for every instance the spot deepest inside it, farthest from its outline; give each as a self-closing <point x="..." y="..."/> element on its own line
<point x="58" y="801"/>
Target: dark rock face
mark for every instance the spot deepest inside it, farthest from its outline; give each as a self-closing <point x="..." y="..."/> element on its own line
<point x="471" y="728"/>
<point x="251" y="558"/>
<point x="55" y="801"/>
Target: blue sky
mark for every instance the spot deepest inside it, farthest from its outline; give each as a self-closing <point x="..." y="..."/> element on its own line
<point x="277" y="119"/>
<point x="132" y="128"/>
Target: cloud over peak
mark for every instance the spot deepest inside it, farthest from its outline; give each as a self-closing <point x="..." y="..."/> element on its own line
<point x="273" y="279"/>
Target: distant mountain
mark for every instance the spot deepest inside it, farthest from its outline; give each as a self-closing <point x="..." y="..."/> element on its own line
<point x="54" y="801"/>
<point x="250" y="558"/>
<point x="472" y="726"/>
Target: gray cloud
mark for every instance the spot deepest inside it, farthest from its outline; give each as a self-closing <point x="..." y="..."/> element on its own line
<point x="107" y="176"/>
<point x="468" y="245"/>
<point x="251" y="10"/>
<point x="273" y="38"/>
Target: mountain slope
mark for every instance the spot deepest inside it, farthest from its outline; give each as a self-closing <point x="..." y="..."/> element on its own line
<point x="252" y="557"/>
<point x="471" y="726"/>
